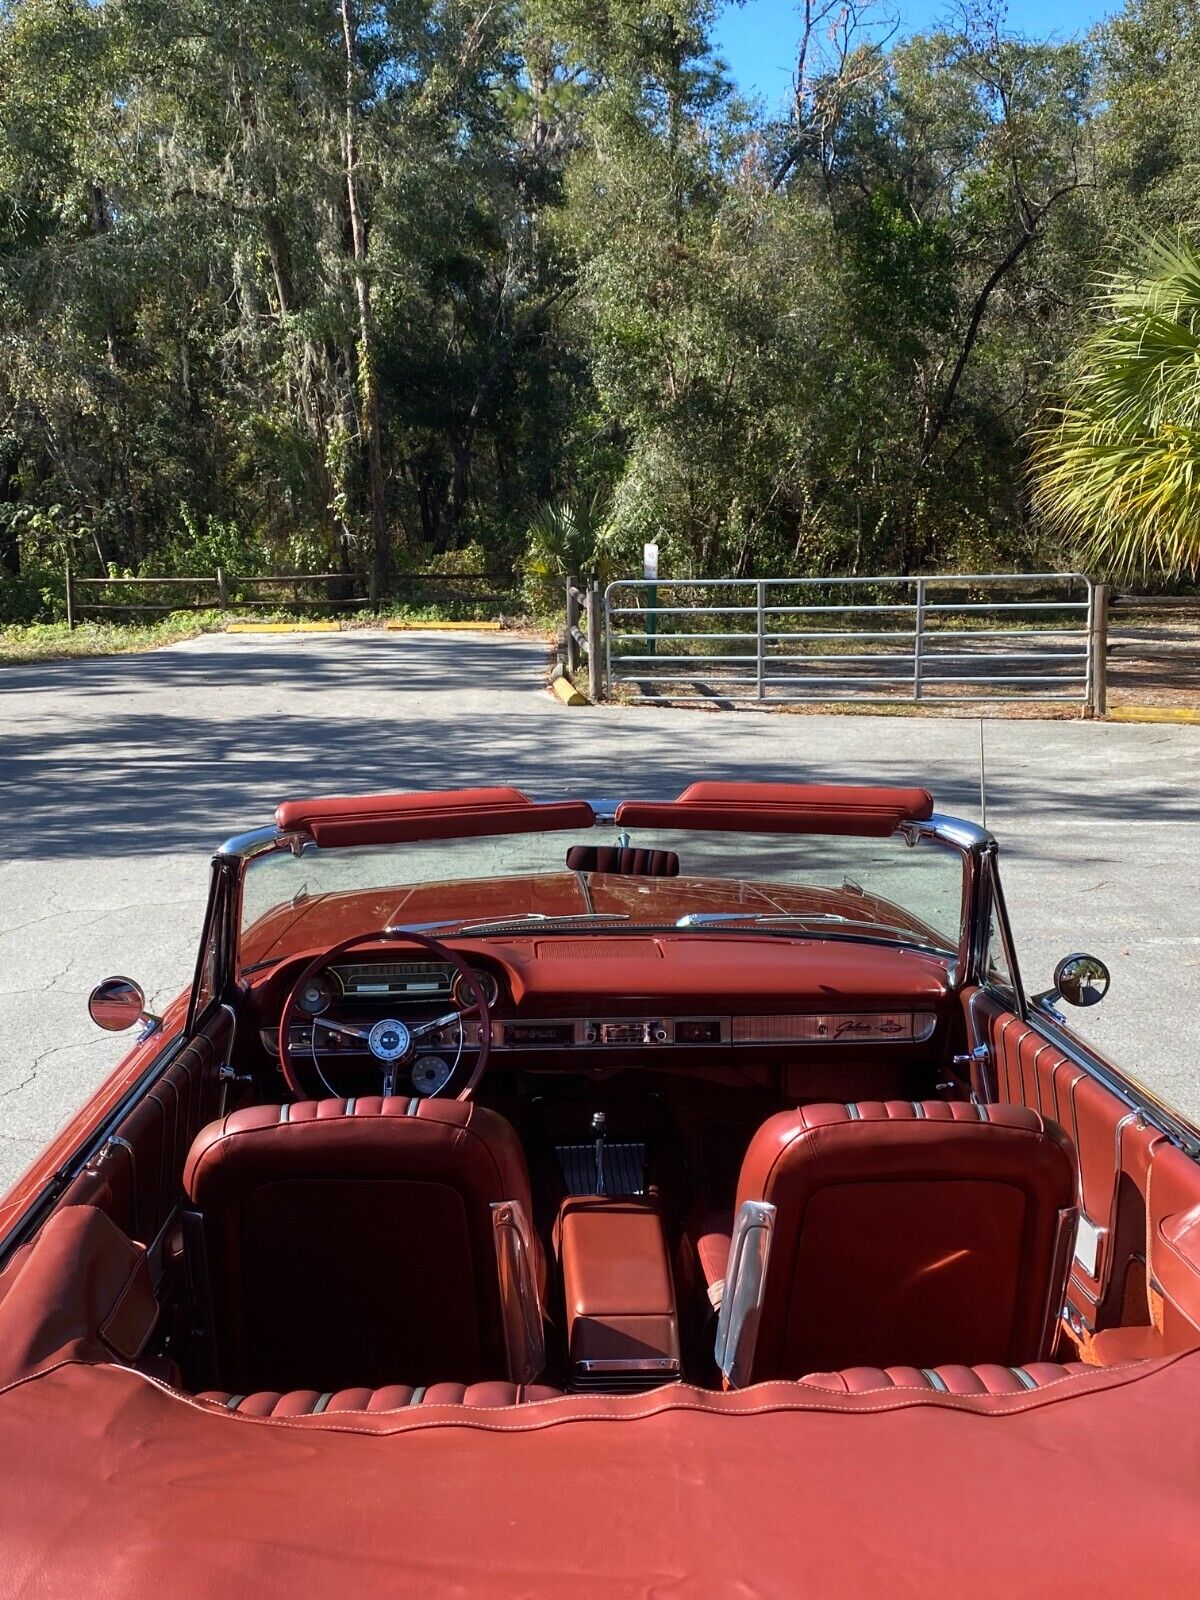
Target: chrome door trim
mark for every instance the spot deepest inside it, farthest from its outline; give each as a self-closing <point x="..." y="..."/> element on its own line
<point x="1135" y="1095"/>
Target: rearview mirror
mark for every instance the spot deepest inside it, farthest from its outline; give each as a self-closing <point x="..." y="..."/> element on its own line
<point x="117" y="1004"/>
<point x="1081" y="980"/>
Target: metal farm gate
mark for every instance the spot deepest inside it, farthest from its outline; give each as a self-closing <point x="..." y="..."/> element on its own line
<point x="785" y="641"/>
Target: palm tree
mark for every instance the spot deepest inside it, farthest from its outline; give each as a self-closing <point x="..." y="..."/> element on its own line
<point x="1117" y="467"/>
<point x="566" y="538"/>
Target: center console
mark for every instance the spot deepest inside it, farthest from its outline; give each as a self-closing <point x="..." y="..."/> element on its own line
<point x="622" y="1323"/>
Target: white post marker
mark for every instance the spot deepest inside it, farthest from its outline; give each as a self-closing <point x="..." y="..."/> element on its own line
<point x="650" y="569"/>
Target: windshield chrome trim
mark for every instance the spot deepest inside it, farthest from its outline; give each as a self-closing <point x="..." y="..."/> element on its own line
<point x="968" y="838"/>
<point x="255" y="842"/>
<point x="957" y="831"/>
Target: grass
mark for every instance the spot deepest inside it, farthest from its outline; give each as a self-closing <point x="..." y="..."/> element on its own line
<point x="54" y="641"/>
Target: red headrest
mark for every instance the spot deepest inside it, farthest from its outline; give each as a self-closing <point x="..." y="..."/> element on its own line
<point x="439" y="814"/>
<point x="783" y="808"/>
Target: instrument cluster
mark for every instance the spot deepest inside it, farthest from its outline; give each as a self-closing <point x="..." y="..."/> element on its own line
<point x="345" y="1006"/>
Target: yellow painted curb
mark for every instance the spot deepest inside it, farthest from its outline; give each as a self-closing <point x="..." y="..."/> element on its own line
<point x="284" y="627"/>
<point x="568" y="693"/>
<point x="443" y="627"/>
<point x="1153" y="714"/>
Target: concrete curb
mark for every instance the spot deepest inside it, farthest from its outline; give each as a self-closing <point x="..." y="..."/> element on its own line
<point x="1154" y="714"/>
<point x="404" y="626"/>
<point x="283" y="627"/>
<point x="396" y="626"/>
<point x="563" y="689"/>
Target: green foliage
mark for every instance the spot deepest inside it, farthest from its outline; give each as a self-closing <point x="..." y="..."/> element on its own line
<point x="1117" y="468"/>
<point x="566" y="539"/>
<point x="584" y="274"/>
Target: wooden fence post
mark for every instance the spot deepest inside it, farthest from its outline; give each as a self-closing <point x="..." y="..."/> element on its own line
<point x="70" y="598"/>
<point x="572" y="643"/>
<point x="222" y="590"/>
<point x="595" y="641"/>
<point x="1098" y="651"/>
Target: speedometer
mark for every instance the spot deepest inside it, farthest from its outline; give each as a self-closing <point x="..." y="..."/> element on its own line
<point x="316" y="996"/>
<point x="430" y="1075"/>
<point x="464" y="999"/>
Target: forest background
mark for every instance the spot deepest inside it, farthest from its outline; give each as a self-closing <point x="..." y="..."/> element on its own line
<point x="373" y="286"/>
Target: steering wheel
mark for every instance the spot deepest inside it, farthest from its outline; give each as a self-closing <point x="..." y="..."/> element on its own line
<point x="392" y="1043"/>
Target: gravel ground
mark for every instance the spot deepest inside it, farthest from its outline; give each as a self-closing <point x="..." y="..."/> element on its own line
<point x="119" y="776"/>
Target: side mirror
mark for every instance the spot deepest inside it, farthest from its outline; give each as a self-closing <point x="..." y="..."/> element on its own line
<point x="1079" y="980"/>
<point x="117" y="1004"/>
<point x="1082" y="980"/>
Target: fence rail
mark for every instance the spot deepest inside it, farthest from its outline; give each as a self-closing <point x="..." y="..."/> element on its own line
<point x="225" y="591"/>
<point x="586" y="641"/>
<point x="944" y="637"/>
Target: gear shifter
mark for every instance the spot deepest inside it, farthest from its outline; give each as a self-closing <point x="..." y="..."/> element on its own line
<point x="600" y="1129"/>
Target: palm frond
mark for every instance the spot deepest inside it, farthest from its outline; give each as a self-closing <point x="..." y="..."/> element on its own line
<point x="1116" y="465"/>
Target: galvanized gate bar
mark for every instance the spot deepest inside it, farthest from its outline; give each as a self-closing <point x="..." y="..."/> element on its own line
<point x="931" y="658"/>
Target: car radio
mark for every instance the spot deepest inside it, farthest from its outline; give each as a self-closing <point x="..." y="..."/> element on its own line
<point x="630" y="1032"/>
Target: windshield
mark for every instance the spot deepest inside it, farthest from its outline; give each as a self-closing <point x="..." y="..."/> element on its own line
<point x="791" y="884"/>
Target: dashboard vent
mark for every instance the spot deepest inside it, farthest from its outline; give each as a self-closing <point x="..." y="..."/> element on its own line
<point x="599" y="949"/>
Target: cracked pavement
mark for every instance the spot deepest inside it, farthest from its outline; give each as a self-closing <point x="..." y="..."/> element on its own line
<point x="119" y="775"/>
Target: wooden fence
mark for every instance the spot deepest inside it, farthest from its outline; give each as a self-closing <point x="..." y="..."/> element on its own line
<point x="587" y="641"/>
<point x="224" y="591"/>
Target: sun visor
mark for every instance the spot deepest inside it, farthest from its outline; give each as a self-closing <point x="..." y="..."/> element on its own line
<point x="440" y="814"/>
<point x="782" y="808"/>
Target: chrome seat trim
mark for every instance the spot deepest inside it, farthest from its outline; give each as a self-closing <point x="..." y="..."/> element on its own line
<point x="745" y="1285"/>
<point x="520" y="1301"/>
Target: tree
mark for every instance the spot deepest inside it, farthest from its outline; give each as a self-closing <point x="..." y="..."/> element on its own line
<point x="1116" y="467"/>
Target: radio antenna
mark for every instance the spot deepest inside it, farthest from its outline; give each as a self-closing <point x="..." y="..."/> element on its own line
<point x="982" y="776"/>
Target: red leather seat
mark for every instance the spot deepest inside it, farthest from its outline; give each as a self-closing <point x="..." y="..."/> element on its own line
<point x="982" y="1380"/>
<point x="352" y="1242"/>
<point x="395" y="1397"/>
<point x="909" y="1234"/>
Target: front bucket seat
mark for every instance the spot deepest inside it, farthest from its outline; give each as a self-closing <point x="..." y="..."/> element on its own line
<point x="370" y="1242"/>
<point x="895" y="1233"/>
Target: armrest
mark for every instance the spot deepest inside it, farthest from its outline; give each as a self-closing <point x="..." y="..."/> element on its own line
<point x="1177" y="1261"/>
<point x="620" y="1299"/>
<point x="712" y="1253"/>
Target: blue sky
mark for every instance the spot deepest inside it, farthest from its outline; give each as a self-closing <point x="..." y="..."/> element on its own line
<point x="757" y="39"/>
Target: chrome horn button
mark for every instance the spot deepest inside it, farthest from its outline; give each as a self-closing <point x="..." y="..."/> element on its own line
<point x="389" y="1040"/>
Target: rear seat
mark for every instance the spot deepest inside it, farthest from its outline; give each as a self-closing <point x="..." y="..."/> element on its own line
<point x="395" y="1397"/>
<point x="497" y="1395"/>
<point x="986" y="1379"/>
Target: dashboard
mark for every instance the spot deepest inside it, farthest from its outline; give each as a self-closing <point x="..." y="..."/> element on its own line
<point x="621" y="1001"/>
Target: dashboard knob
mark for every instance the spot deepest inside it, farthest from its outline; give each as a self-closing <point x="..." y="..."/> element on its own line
<point x="660" y="1034"/>
<point x="589" y="1034"/>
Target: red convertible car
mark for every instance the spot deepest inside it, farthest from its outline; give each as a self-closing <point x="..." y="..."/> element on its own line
<point x="615" y="1198"/>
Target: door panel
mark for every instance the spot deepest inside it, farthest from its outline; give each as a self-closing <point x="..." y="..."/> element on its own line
<point x="1137" y="1259"/>
<point x="136" y="1176"/>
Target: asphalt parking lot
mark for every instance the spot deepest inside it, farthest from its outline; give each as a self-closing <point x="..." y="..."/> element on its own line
<point x="119" y="776"/>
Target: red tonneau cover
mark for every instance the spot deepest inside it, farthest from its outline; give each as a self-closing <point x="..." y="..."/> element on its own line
<point x="116" y="1487"/>
<point x="783" y="808"/>
<point x="438" y="814"/>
